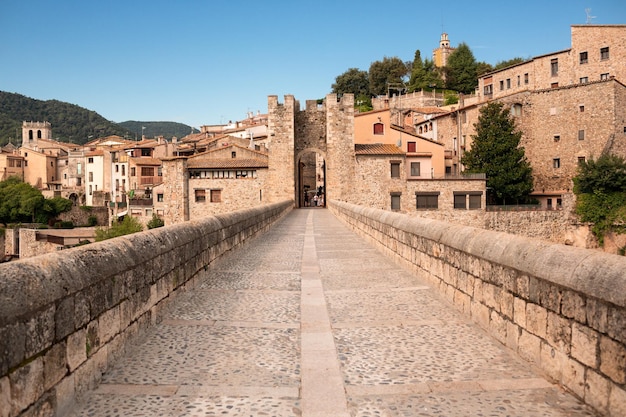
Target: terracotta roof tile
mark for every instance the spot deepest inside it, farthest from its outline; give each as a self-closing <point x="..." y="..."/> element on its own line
<point x="377" y="149"/>
<point x="226" y="163"/>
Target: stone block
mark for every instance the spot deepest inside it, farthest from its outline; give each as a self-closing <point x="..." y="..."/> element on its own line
<point x="26" y="385"/>
<point x="552" y="361"/>
<point x="529" y="347"/>
<point x="616" y="324"/>
<point x="522" y="285"/>
<point x="597" y="390"/>
<point x="54" y="365"/>
<point x="512" y="335"/>
<point x="613" y="360"/>
<point x="597" y="315"/>
<point x="480" y="314"/>
<point x="76" y="349"/>
<point x="585" y="345"/>
<point x="574" y="377"/>
<point x="536" y="320"/>
<point x="573" y="306"/>
<point x="497" y="326"/>
<point x="617" y="401"/>
<point x="5" y="397"/>
<point x="39" y="331"/>
<point x="12" y="344"/>
<point x="64" y="318"/>
<point x="519" y="312"/>
<point x="559" y="333"/>
<point x="81" y="309"/>
<point x="506" y="304"/>
<point x="109" y="324"/>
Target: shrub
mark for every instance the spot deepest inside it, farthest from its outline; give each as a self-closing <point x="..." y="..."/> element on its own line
<point x="155" y="222"/>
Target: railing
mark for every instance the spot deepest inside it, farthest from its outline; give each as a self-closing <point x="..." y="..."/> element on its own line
<point x="140" y="202"/>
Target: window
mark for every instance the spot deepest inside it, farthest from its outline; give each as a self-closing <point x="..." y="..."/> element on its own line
<point x="410" y="147"/>
<point x="583" y="57"/>
<point x="379" y="129"/>
<point x="581" y="108"/>
<point x="516" y="110"/>
<point x="117" y="168"/>
<point x="123" y="169"/>
<point x="557" y="138"/>
<point x="581" y="135"/>
<point x="146" y="152"/>
<point x="604" y="76"/>
<point x="395" y="170"/>
<point x="415" y="169"/>
<point x="526" y="78"/>
<point x="459" y="201"/>
<point x="147" y="171"/>
<point x="604" y="53"/>
<point x="91" y="177"/>
<point x="501" y="85"/>
<point x="117" y="184"/>
<point x="554" y="85"/>
<point x="584" y="80"/>
<point x="518" y="81"/>
<point x="554" y="67"/>
<point x="395" y="201"/>
<point x="426" y="200"/>
<point x="475" y="201"/>
<point x="90" y="160"/>
<point x="79" y="181"/>
<point x="200" y="196"/>
<point x="508" y="83"/>
<point x="132" y="171"/>
<point x="160" y="197"/>
<point x="488" y="90"/>
<point x="216" y="196"/>
<point x="581" y="160"/>
<point x="556" y="163"/>
<point x="233" y="154"/>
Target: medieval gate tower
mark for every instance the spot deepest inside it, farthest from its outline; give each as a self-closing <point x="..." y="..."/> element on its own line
<point x="325" y="128"/>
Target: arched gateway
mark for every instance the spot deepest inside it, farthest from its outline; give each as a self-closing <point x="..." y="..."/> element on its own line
<point x="311" y="148"/>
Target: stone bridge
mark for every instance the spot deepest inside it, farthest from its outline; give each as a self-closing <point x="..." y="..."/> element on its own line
<point x="346" y="311"/>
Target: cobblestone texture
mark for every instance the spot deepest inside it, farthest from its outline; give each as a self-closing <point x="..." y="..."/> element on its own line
<point x="232" y="345"/>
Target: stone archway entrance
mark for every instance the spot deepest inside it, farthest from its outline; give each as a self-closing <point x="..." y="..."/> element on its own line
<point x="310" y="178"/>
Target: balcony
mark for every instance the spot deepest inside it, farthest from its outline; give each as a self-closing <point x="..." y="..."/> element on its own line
<point x="140" y="202"/>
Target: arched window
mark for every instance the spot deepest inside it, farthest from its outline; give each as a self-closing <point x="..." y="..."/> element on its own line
<point x="30" y="135"/>
<point x="420" y="131"/>
<point x="39" y="134"/>
<point x="379" y="129"/>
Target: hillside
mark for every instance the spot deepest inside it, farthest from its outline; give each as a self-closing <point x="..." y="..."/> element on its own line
<point x="72" y="123"/>
<point x="153" y="129"/>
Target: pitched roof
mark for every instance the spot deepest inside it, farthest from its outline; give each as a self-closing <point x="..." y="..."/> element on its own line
<point x="144" y="160"/>
<point x="377" y="149"/>
<point x="227" y="163"/>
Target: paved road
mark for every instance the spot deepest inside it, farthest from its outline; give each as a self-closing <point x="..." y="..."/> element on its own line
<point x="309" y="320"/>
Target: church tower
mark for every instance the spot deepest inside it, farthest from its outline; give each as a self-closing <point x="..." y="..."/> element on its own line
<point x="33" y="131"/>
<point x="441" y="54"/>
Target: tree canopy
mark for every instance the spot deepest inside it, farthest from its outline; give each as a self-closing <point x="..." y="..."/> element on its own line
<point x="126" y="226"/>
<point x="600" y="188"/>
<point x="461" y="70"/>
<point x="496" y="151"/>
<point x="20" y="202"/>
<point x="424" y="74"/>
<point x="382" y="74"/>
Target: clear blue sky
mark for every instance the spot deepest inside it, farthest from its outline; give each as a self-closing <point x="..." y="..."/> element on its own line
<point x="207" y="62"/>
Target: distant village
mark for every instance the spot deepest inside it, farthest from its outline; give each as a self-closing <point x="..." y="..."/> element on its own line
<point x="404" y="156"/>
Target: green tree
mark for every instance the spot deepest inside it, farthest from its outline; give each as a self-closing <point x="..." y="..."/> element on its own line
<point x="508" y="63"/>
<point x="461" y="70"/>
<point x="483" y="68"/>
<point x="496" y="151"/>
<point x="389" y="71"/>
<point x="352" y="81"/>
<point x="155" y="222"/>
<point x="424" y="74"/>
<point x="119" y="228"/>
<point x="21" y="202"/>
<point x="600" y="188"/>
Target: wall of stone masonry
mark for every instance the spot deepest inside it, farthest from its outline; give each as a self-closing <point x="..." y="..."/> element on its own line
<point x="65" y="317"/>
<point x="558" y="307"/>
<point x="281" y="129"/>
<point x="340" y="146"/>
<point x="80" y="216"/>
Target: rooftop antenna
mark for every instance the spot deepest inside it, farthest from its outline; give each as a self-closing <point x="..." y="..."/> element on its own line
<point x="589" y="17"/>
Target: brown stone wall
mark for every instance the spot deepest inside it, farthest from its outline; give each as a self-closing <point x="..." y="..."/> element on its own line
<point x="340" y="161"/>
<point x="236" y="194"/>
<point x="73" y="313"/>
<point x="373" y="184"/>
<point x="590" y="39"/>
<point x="281" y="128"/>
<point x="175" y="191"/>
<point x="80" y="216"/>
<point x="544" y="301"/>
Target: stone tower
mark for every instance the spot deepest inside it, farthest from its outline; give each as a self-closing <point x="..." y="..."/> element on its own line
<point x="326" y="129"/>
<point x="176" y="190"/>
<point x="441" y="54"/>
<point x="33" y="131"/>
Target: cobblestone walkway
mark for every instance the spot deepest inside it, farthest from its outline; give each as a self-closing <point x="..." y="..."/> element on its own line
<point x="309" y="320"/>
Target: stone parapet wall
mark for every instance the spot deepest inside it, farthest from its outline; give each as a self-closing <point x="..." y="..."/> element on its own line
<point x="560" y="308"/>
<point x="65" y="317"/>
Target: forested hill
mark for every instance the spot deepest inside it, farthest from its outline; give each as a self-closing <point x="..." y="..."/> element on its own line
<point x="154" y="129"/>
<point x="72" y="123"/>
